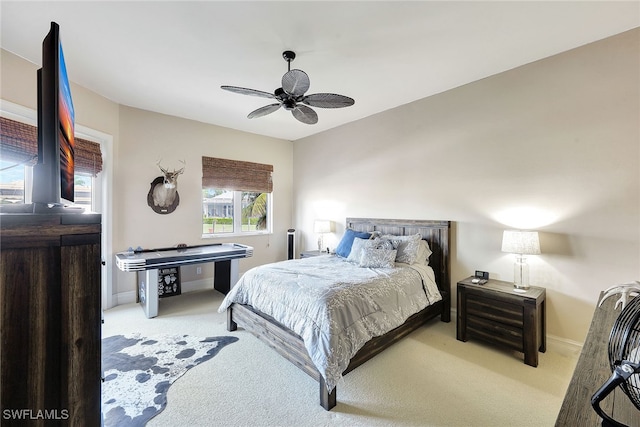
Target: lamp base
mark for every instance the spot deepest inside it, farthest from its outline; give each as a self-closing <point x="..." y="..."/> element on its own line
<point x="521" y="288"/>
<point x="521" y="274"/>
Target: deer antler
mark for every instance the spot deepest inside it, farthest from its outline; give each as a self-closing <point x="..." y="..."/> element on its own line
<point x="164" y="171"/>
<point x="185" y="165"/>
<point x="176" y="172"/>
<point x="627" y="290"/>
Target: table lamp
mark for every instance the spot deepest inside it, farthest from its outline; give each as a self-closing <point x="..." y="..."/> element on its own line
<point x="321" y="226"/>
<point x="521" y="243"/>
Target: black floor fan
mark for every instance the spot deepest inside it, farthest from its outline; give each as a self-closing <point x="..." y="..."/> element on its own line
<point x="624" y="358"/>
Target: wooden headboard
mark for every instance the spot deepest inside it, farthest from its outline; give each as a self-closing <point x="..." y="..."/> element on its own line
<point x="436" y="233"/>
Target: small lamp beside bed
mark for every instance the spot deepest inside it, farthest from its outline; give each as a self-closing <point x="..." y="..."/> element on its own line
<point x="521" y="243"/>
<point x="322" y="226"/>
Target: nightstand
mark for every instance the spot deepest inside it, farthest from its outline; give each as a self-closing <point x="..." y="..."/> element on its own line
<point x="309" y="254"/>
<point x="494" y="312"/>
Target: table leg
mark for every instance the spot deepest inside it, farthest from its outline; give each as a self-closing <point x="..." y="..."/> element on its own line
<point x="531" y="331"/>
<point x="148" y="292"/>
<point x="225" y="275"/>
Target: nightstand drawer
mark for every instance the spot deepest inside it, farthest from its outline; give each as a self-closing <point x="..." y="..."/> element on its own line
<point x="495" y="332"/>
<point x="495" y="310"/>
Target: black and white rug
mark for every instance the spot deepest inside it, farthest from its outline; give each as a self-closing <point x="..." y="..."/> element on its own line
<point x="139" y="370"/>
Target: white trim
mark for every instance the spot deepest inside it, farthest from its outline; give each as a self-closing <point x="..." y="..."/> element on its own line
<point x="105" y="207"/>
<point x="124" y="298"/>
<point x="241" y="234"/>
<point x="197" y="285"/>
<point x="556" y="344"/>
<point x="18" y="113"/>
<point x="194" y="285"/>
<point x="564" y="346"/>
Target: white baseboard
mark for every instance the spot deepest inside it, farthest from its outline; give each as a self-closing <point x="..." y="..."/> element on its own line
<point x="129" y="297"/>
<point x="556" y="344"/>
<point x="197" y="285"/>
<point x="564" y="346"/>
<point x="124" y="298"/>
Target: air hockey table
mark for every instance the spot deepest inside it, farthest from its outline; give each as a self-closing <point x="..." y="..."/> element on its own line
<point x="148" y="262"/>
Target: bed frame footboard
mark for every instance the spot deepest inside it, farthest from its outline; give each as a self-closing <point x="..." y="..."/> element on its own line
<point x="291" y="346"/>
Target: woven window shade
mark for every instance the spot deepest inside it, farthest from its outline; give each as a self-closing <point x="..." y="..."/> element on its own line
<point x="236" y="175"/>
<point x="87" y="157"/>
<point x="19" y="143"/>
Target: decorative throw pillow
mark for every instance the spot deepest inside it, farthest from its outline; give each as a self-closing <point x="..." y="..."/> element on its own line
<point x="407" y="247"/>
<point x="358" y="247"/>
<point x="344" y="247"/>
<point x="384" y="243"/>
<point x="377" y="258"/>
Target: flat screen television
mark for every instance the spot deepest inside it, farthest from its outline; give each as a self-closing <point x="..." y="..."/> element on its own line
<point x="53" y="175"/>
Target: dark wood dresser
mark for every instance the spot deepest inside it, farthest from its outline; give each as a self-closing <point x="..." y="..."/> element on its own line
<point x="592" y="371"/>
<point x="50" y="285"/>
<point x="496" y="313"/>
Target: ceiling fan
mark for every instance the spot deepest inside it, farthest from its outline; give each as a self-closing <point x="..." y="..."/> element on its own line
<point x="291" y="96"/>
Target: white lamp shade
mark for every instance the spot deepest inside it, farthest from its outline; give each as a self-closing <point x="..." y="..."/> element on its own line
<point x="521" y="242"/>
<point x="322" y="226"/>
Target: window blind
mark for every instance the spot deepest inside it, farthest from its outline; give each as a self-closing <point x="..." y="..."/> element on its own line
<point x="236" y="175"/>
<point x="19" y="143"/>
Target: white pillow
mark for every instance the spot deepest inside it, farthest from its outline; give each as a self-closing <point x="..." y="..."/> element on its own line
<point x="378" y="258"/>
<point x="357" y="247"/>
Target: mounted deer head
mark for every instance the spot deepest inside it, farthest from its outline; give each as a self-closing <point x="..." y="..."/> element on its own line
<point x="163" y="196"/>
<point x="171" y="178"/>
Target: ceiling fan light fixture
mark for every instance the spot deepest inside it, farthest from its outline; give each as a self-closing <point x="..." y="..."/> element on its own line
<point x="294" y="85"/>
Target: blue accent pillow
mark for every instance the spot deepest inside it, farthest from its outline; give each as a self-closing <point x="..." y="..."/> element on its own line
<point x="344" y="247"/>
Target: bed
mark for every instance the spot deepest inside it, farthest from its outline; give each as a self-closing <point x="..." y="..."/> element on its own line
<point x="300" y="348"/>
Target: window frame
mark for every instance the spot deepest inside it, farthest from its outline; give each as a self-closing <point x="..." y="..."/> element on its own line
<point x="237" y="213"/>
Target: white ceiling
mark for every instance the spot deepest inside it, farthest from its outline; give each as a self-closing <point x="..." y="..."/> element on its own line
<point x="172" y="57"/>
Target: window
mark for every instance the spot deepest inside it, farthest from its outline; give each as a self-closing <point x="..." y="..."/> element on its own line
<point x="12" y="177"/>
<point x="236" y="197"/>
<point x="19" y="148"/>
<point x="83" y="191"/>
<point x="15" y="187"/>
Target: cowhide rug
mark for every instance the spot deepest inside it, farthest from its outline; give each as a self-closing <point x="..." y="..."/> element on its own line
<point x="138" y="372"/>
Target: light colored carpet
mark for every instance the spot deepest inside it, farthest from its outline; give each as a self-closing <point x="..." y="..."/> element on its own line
<point x="427" y="379"/>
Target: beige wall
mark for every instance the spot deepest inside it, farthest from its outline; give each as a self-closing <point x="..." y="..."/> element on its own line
<point x="148" y="137"/>
<point x="139" y="139"/>
<point x="560" y="135"/>
<point x="558" y="138"/>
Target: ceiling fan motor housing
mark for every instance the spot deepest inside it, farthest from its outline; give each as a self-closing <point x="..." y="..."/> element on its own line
<point x="289" y="104"/>
<point x="289" y="55"/>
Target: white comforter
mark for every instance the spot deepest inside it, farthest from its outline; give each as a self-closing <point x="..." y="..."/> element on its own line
<point x="335" y="306"/>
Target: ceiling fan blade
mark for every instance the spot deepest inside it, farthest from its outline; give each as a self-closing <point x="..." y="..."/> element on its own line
<point x="263" y="111"/>
<point x="305" y="114"/>
<point x="295" y="82"/>
<point x="245" y="91"/>
<point x="328" y="100"/>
